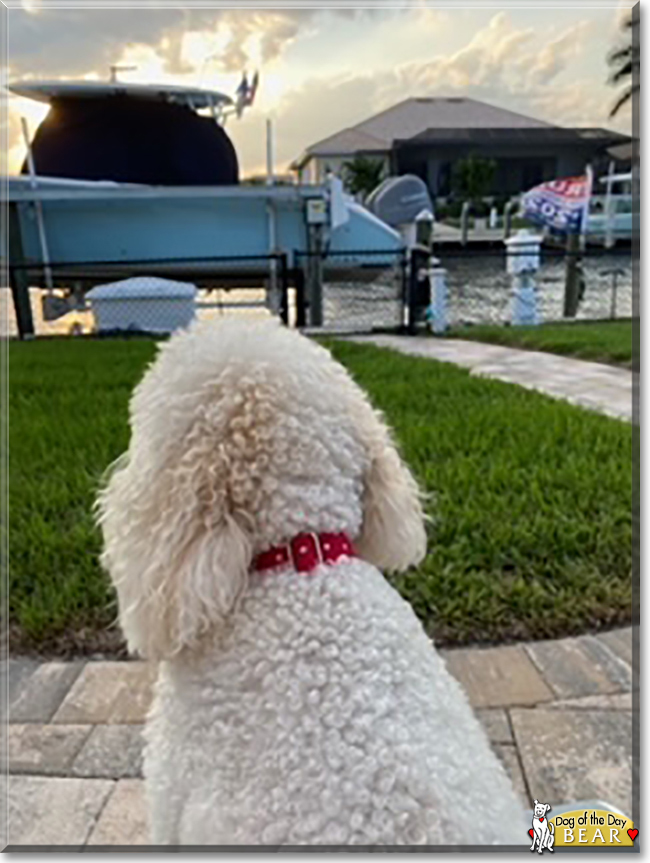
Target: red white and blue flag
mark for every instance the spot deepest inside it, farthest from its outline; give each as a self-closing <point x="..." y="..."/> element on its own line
<point x="246" y="92"/>
<point x="561" y="205"/>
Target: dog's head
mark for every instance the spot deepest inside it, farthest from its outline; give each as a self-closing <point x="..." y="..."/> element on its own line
<point x="229" y="416"/>
<point x="540" y="809"/>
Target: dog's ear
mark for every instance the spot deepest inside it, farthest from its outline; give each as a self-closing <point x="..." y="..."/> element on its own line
<point x="548" y="807"/>
<point x="534" y="802"/>
<point x="176" y="544"/>
<point x="393" y="535"/>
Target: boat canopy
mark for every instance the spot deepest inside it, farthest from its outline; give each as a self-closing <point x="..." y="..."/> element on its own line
<point x="48" y="91"/>
<point x="109" y="132"/>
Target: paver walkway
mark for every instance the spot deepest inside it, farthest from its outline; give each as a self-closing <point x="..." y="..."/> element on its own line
<point x="591" y="385"/>
<point x="558" y="715"/>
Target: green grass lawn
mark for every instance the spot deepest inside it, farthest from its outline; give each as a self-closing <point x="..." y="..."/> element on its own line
<point x="603" y="341"/>
<point x="531" y="497"/>
<point x="67" y="421"/>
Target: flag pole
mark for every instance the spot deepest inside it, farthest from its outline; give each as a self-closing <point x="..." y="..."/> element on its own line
<point x="585" y="213"/>
<point x="575" y="244"/>
<point x="572" y="282"/>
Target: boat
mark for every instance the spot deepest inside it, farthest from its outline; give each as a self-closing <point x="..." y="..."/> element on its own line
<point x="122" y="179"/>
<point x="610" y="213"/>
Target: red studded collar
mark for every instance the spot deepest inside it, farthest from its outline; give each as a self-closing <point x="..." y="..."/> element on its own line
<point x="306" y="551"/>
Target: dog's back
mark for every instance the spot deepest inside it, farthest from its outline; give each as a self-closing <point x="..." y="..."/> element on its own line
<point x="291" y="709"/>
<point x="322" y="716"/>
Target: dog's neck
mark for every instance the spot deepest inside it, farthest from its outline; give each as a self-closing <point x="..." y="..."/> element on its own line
<point x="331" y="506"/>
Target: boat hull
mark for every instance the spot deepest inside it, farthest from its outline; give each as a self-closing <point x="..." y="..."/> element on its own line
<point x="103" y="228"/>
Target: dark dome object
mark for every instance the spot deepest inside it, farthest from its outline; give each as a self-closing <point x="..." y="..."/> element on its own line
<point x="133" y="141"/>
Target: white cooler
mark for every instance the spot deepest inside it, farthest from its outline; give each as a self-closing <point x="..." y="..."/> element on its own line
<point x="144" y="303"/>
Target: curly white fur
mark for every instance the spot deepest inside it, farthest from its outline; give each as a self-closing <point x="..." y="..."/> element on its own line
<point x="290" y="708"/>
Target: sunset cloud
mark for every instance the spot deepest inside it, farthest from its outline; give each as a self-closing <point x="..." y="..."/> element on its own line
<point x="324" y="70"/>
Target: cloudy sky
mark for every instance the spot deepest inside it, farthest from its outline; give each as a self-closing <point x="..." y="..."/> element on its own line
<point x="325" y="69"/>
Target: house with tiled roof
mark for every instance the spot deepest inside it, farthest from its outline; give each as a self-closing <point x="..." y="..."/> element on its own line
<point x="426" y="136"/>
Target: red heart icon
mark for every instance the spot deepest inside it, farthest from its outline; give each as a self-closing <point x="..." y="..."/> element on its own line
<point x="530" y="832"/>
<point x="541" y="819"/>
<point x="633" y="834"/>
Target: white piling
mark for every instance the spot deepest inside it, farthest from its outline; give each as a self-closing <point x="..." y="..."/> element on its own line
<point x="522" y="262"/>
<point x="437" y="311"/>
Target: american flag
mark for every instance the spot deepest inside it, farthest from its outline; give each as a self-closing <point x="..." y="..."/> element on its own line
<point x="246" y="92"/>
<point x="559" y="204"/>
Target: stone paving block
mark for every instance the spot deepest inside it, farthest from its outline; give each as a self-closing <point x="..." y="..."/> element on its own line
<point x="496" y="723"/>
<point x="618" y="701"/>
<point x="43" y="691"/>
<point x="14" y="674"/>
<point x="44" y="749"/>
<point x="619" y="641"/>
<point x="109" y="692"/>
<point x="571" y="755"/>
<point x="580" y="666"/>
<point x="498" y="676"/>
<point x="49" y="811"/>
<point x="124" y="818"/>
<point x="507" y="755"/>
<point x="111" y="751"/>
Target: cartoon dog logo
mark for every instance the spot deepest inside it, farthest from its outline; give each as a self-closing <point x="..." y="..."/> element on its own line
<point x="543" y="833"/>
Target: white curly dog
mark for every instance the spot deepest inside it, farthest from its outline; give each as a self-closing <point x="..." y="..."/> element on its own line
<point x="298" y="701"/>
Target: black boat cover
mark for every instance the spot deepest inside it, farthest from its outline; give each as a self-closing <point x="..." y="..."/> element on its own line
<point x="131" y="140"/>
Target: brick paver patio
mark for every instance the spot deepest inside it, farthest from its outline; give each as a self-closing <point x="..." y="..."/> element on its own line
<point x="558" y="715"/>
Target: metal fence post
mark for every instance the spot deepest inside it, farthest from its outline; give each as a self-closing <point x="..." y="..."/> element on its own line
<point x="419" y="263"/>
<point x="614" y="288"/>
<point x="404" y="264"/>
<point x="18" y="277"/>
<point x="315" y="276"/>
<point x="284" y="289"/>
<point x="572" y="278"/>
<point x="411" y="290"/>
<point x="301" y="309"/>
<point x="507" y="219"/>
<point x="464" y="222"/>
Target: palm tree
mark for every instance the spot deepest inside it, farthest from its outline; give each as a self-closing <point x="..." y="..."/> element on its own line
<point x="363" y="174"/>
<point x="625" y="63"/>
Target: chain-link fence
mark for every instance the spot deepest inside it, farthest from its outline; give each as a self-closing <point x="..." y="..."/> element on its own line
<point x="362" y="291"/>
<point x="371" y="290"/>
<point x="479" y="289"/>
<point x="144" y="297"/>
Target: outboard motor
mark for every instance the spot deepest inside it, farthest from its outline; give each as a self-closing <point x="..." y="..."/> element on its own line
<point x="398" y="200"/>
<point x="401" y="202"/>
